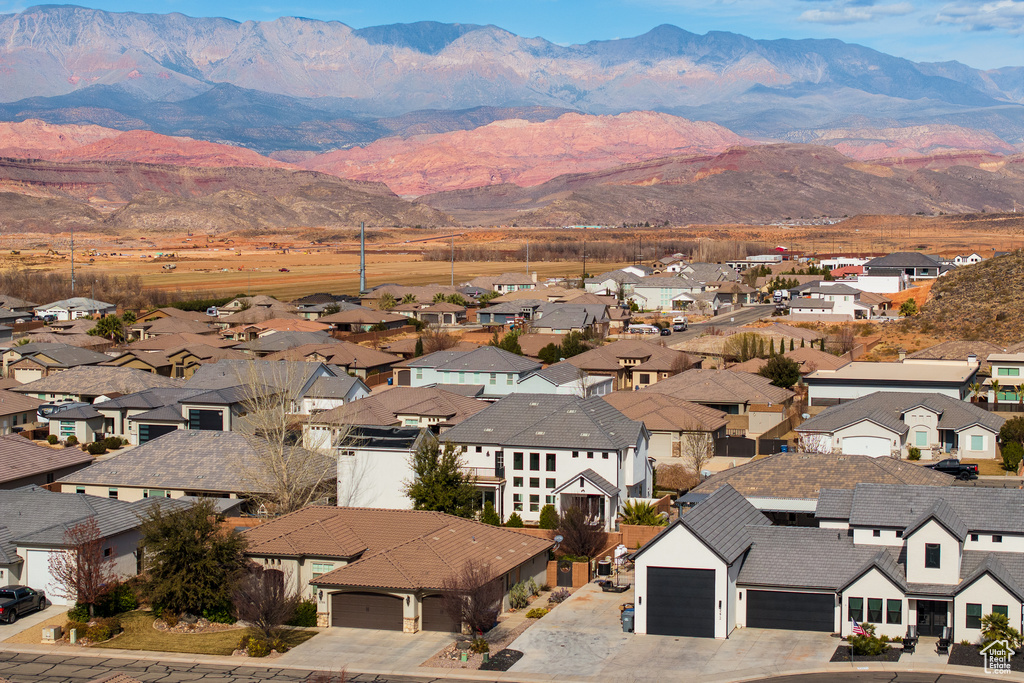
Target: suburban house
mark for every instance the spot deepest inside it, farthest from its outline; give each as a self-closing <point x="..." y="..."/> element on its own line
<point x="368" y="459"/>
<point x="956" y="352"/>
<point x="616" y="283"/>
<point x="76" y="307"/>
<point x="87" y="383"/>
<point x="23" y="463"/>
<point x="16" y="411"/>
<point x="34" y="523"/>
<point x="676" y="426"/>
<point x="399" y="292"/>
<point x="559" y="450"/>
<point x="809" y="359"/>
<point x="891" y="422"/>
<point x="891" y="555"/>
<point x="572" y="317"/>
<point x="736" y="393"/>
<point x="361" y="361"/>
<point x="785" y="486"/>
<point x="33" y="361"/>
<point x="178" y="464"/>
<point x="913" y="264"/>
<point x="16" y="304"/>
<point x="665" y="293"/>
<point x="438" y="313"/>
<point x="514" y="282"/>
<point x="327" y="393"/>
<point x="155" y="327"/>
<point x="363" y="320"/>
<point x="147" y="361"/>
<point x="633" y="364"/>
<point x="845" y="300"/>
<point x="510" y="312"/>
<point x="384" y="569"/>
<point x="859" y="378"/>
<point x="259" y="302"/>
<point x="1005" y="382"/>
<point x="294" y="377"/>
<point x="496" y="371"/>
<point x="706" y="272"/>
<point x="967" y="259"/>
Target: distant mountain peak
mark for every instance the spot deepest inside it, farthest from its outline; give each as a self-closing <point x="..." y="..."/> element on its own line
<point x="428" y="37"/>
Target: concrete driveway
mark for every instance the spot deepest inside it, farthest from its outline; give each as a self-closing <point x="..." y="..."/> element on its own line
<point x="360" y="649"/>
<point x="583" y="638"/>
<point x="31" y="621"/>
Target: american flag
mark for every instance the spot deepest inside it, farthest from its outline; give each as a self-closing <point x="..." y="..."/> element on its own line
<point x="858" y="630"/>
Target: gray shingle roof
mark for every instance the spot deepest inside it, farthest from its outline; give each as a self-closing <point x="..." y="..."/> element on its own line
<point x="541" y="420"/>
<point x="595" y="479"/>
<point x="886" y="408"/>
<point x="96" y="380"/>
<point x="893" y="506"/>
<point x="721" y="386"/>
<point x="901" y="259"/>
<point x="64" y="356"/>
<point x="332" y="387"/>
<point x="171" y="413"/>
<point x="942" y="513"/>
<point x="561" y="373"/>
<point x="723" y="521"/>
<point x="834" y="504"/>
<point x="150" y="398"/>
<point x="483" y="359"/>
<point x="1005" y="568"/>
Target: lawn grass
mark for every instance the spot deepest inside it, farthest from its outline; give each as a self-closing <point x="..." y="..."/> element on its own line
<point x="139" y="634"/>
<point x="989" y="467"/>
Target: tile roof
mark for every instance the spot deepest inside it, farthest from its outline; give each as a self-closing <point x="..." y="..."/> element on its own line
<point x="332" y="387"/>
<point x="11" y="402"/>
<point x="232" y="373"/>
<point x="338" y="352"/>
<point x="170" y="413"/>
<point x="959" y="349"/>
<point x="722" y="521"/>
<point x="20" y="458"/>
<point x="62" y="356"/>
<point x="483" y="359"/>
<point x="174" y="325"/>
<point x="255" y="315"/>
<point x="551" y="421"/>
<point x="653" y="356"/>
<point x="383" y="408"/>
<point x="97" y="380"/>
<point x="168" y="342"/>
<point x="362" y="316"/>
<point x="720" y="386"/>
<point x="806" y="475"/>
<point x="78" y="303"/>
<point x="661" y="412"/>
<point x="901" y="259"/>
<point x="886" y="408"/>
<point x="942" y="513"/>
<point x="594" y="478"/>
<point x="283" y="341"/>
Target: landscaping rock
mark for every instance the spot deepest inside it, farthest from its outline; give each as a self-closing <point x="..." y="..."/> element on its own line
<point x="842" y="654"/>
<point x="970" y="655"/>
<point x="502" y="661"/>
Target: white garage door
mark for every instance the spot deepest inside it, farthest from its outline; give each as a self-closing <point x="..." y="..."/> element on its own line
<point x="38" y="575"/>
<point x="875" y="446"/>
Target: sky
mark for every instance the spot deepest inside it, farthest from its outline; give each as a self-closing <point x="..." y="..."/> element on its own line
<point x="980" y="33"/>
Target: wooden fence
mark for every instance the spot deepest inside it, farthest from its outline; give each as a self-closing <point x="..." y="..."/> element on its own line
<point x="357" y="337"/>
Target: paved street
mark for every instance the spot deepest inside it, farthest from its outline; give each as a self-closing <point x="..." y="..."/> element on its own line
<point x="738" y="318"/>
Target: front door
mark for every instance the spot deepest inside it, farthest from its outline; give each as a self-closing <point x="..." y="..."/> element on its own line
<point x="932" y="617"/>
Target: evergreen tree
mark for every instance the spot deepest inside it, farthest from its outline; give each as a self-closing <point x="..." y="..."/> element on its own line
<point x="439" y="482"/>
<point x="790" y="343"/>
<point x="573" y="344"/>
<point x="552" y="353"/>
<point x="548" y="517"/>
<point x="801" y="342"/>
<point x="783" y="372"/>
<point x="771" y="346"/>
<point x="745" y="349"/>
<point x="510" y="342"/>
<point x="419" y="347"/>
<point x="760" y="348"/>
<point x="489" y="515"/>
<point x="110" y="327"/>
<point x="514" y="521"/>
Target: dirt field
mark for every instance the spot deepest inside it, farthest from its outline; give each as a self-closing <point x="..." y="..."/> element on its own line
<point x="230" y="264"/>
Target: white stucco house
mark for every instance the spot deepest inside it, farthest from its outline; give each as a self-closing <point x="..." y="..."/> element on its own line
<point x="828" y="387"/>
<point x="76" y="307"/>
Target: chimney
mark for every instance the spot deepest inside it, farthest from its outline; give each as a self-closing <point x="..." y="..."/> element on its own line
<point x="903" y="355"/>
<point x="972" y="360"/>
<point x="533" y="275"/>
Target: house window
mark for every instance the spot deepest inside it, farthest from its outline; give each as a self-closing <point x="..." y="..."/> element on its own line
<point x="534" y="482"/>
<point x="419" y="373"/>
<point x="921" y="438"/>
<point x="67" y="428"/>
<point x="212" y="420"/>
<point x="517" y="482"/>
<point x="604" y="455"/>
<point x="508" y="379"/>
<point x="974" y="537"/>
<point x="155" y="493"/>
<point x="590" y="454"/>
<point x="479" y="449"/>
<point x="997" y="538"/>
<point x="856" y="609"/>
<point x="1001" y="609"/>
<point x="549" y="464"/>
<point x="875" y="610"/>
<point x="550" y="500"/>
<point x="977" y="442"/>
<point x="476" y="378"/>
<point x="1009" y="372"/>
<point x="534" y="462"/>
<point x="575" y="454"/>
<point x="321" y="568"/>
<point x="894" y="611"/>
<point x="876" y="533"/>
<point x="462" y="378"/>
<point x="899" y="533"/>
<point x="645" y="378"/>
<point x="932" y="552"/>
<point x="494" y="378"/>
<point x="517" y="461"/>
<point x="412" y="422"/>
<point x="549" y="483"/>
<point x="79" y="489"/>
<point x="112" y="493"/>
<point x="534" y="503"/>
<point x="107" y="552"/>
<point x="973" y="616"/>
<point x="517" y="502"/>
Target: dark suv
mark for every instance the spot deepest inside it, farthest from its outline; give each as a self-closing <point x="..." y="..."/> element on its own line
<point x="18" y="600"/>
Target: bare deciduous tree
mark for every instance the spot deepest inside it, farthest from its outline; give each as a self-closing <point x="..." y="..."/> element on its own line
<point x="814" y="443"/>
<point x="262" y="599"/>
<point x="472" y="596"/>
<point x="436" y="339"/>
<point x="681" y="363"/>
<point x="697" y="449"/>
<point x="582" y="532"/>
<point x="83" y="572"/>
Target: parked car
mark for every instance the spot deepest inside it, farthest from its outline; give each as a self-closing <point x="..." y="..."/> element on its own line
<point x="679" y="327"/>
<point x="958" y="469"/>
<point x="665" y="332"/>
<point x="282" y="270"/>
<point x="18" y="600"/>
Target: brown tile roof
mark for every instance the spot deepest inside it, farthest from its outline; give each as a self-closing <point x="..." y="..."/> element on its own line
<point x="401" y="549"/>
<point x="167" y="342"/>
<point x="660" y="412"/>
<point x="803" y="475"/>
<point x="721" y="386"/>
<point x="290" y="325"/>
<point x="84" y="341"/>
<point x="256" y="315"/>
<point x="343" y="353"/>
<point x="20" y="458"/>
<point x="816" y="359"/>
<point x="752" y="366"/>
<point x="171" y="312"/>
<point x="11" y="402"/>
<point x="361" y="317"/>
<point x="655" y="357"/>
<point x="382" y="408"/>
<point x="207" y="353"/>
<point x="175" y="326"/>
<point x="784" y="330"/>
<point x="408" y="346"/>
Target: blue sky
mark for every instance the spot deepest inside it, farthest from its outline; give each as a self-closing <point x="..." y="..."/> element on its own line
<point x="980" y="33"/>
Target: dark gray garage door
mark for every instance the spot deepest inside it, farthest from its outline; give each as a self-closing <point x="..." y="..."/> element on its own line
<point x="793" y="611"/>
<point x="680" y="602"/>
<point x="434" y="617"/>
<point x="366" y="610"/>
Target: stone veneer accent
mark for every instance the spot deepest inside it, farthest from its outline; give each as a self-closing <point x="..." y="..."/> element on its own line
<point x="323" y="619"/>
<point x="410" y="624"/>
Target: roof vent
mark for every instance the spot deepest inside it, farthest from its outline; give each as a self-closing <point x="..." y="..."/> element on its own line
<point x="584" y="434"/>
<point x="540" y="433"/>
<point x="534" y="403"/>
<point x="570" y="412"/>
<point x="488" y="429"/>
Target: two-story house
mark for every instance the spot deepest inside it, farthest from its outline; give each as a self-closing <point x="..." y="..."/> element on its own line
<point x="860" y="378"/>
<point x="633" y="364"/>
<point x="665" y="293"/>
<point x="1005" y="383"/>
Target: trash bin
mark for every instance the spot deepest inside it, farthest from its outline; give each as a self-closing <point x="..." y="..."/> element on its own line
<point x="391" y="381"/>
<point x="784" y="448"/>
<point x="627" y="620"/>
<point x="604" y="568"/>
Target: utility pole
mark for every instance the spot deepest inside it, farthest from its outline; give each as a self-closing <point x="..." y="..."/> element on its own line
<point x="453" y="260"/>
<point x="527" y="255"/>
<point x="583" y="279"/>
<point x="72" y="260"/>
<point x="362" y="257"/>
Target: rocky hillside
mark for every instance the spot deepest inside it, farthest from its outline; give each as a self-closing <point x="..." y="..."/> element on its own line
<point x="978" y="302"/>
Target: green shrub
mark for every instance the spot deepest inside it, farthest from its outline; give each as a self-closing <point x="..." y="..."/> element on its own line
<point x="913" y="453"/>
<point x="219" y="615"/>
<point x="1013" y="452"/>
<point x="532" y="586"/>
<point x="103" y="629"/>
<point x="548" y="517"/>
<point x="170" y="618"/>
<point x="52" y="439"/>
<point x="72" y="440"/>
<point x="118" y="600"/>
<point x="869" y="645"/>
<point x="514" y="521"/>
<point x="305" y="614"/>
<point x="479" y="646"/>
<point x="544" y="588"/>
<point x="78" y="613"/>
<point x="536" y="613"/>
<point x="96" y="448"/>
<point x="519" y="596"/>
<point x="257" y="647"/>
<point x="112" y="442"/>
<point x="997" y="627"/>
<point x="243" y="643"/>
<point x="80" y="626"/>
<point x="560" y="595"/>
<point x="489" y="515"/>
<point x="575" y="558"/>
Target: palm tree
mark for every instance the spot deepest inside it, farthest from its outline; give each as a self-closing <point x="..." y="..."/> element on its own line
<point x="995" y="391"/>
<point x="386" y="301"/>
<point x="642" y="513"/>
<point x="439" y="298"/>
<point x="409" y="298"/>
<point x="975" y="389"/>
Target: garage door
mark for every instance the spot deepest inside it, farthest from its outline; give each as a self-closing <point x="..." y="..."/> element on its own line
<point x="149" y="432"/>
<point x="366" y="610"/>
<point x="792" y="611"/>
<point x="434" y="617"/>
<point x="874" y="446"/>
<point x="37" y="564"/>
<point x="680" y="602"/>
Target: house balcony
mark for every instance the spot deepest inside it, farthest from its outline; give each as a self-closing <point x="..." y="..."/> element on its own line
<point x="486" y="475"/>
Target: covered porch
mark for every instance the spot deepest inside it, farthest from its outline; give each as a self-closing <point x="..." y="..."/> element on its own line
<point x="592" y="493"/>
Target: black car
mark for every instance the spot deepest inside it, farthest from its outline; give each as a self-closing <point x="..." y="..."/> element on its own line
<point x="958" y="469"/>
<point x="18" y="600"/>
<point x="665" y="332"/>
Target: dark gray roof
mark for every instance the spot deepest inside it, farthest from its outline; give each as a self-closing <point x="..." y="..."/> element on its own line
<point x="807" y="302"/>
<point x="942" y="513"/>
<point x="568" y="317"/>
<point x="332" y="387"/>
<point x="595" y="479"/>
<point x="902" y="259"/>
<point x="232" y="373"/>
<point x="149" y="398"/>
<point x="97" y="380"/>
<point x="561" y="373"/>
<point x="1006" y="568"/>
<point x="171" y="413"/>
<point x="392" y="438"/>
<point x="834" y="504"/>
<point x="78" y="413"/>
<point x="513" y="307"/>
<point x="64" y="356"/>
<point x="620" y="276"/>
<point x="483" y="359"/>
<point x="835" y="289"/>
<point x="552" y="421"/>
<point x="893" y="506"/>
<point x="185" y="459"/>
<point x="723" y="521"/>
<point x="8" y="548"/>
<point x="227" y="396"/>
<point x="886" y="408"/>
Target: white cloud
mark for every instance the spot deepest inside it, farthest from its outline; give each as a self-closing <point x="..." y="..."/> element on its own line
<point x="856" y="13"/>
<point x="1005" y="15"/>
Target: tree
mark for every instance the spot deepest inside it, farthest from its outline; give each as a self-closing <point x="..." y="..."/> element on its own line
<point x="642" y="513"/>
<point x="743" y="346"/>
<point x="771" y="346"/>
<point x="681" y="363"/>
<point x="489" y="516"/>
<point x="436" y="339"/>
<point x="409" y="298"/>
<point x="975" y="389"/>
<point x="697" y="448"/>
<point x="573" y="344"/>
<point x="439" y="481"/>
<point x="514" y="521"/>
<point x="510" y="342"/>
<point x="82" y="572"/>
<point x="418" y="350"/>
<point x="109" y="326"/>
<point x="908" y="308"/>
<point x="996" y="626"/>
<point x="548" y="517"/>
<point x="1012" y="454"/>
<point x="261" y="599"/>
<point x="487" y="296"/>
<point x="472" y="596"/>
<point x="582" y="533"/>
<point x="783" y="372"/>
<point x="192" y="564"/>
<point x="996" y="386"/>
<point x="791" y="346"/>
<point x="128" y="317"/>
<point x="456" y="299"/>
<point x="1012" y="430"/>
<point x="550" y="354"/>
<point x="386" y="301"/>
<point x="439" y="298"/>
<point x="331" y="309"/>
